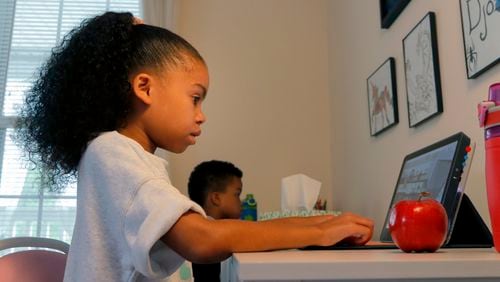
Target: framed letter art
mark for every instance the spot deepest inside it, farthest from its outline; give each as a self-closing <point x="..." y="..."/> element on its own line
<point x="423" y="84"/>
<point x="480" y="22"/>
<point x="382" y="98"/>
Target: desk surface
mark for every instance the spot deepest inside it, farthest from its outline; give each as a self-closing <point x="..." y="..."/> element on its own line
<point x="367" y="265"/>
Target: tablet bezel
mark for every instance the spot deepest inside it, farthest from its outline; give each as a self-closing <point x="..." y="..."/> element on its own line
<point x="453" y="190"/>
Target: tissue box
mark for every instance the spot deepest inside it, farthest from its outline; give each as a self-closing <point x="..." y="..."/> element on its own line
<point x="299" y="192"/>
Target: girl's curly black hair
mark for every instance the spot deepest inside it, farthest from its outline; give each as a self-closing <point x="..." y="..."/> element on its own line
<point x="83" y="89"/>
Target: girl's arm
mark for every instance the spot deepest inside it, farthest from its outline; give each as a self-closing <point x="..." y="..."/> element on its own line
<point x="200" y="240"/>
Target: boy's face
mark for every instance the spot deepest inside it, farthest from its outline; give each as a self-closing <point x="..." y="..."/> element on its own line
<point x="230" y="204"/>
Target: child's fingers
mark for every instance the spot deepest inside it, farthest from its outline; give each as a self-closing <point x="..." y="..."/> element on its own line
<point x="363" y="238"/>
<point x="137" y="21"/>
<point x="360" y="235"/>
<point x="350" y="217"/>
<point x="349" y="227"/>
<point x="360" y="229"/>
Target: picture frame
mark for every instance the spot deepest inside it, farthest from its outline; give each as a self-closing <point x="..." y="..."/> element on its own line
<point x="480" y="20"/>
<point x="390" y="10"/>
<point x="382" y="97"/>
<point x="421" y="62"/>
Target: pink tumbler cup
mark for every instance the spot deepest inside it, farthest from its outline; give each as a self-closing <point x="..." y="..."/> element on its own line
<point x="489" y="117"/>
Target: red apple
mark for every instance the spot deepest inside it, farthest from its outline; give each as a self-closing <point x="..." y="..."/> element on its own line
<point x="418" y="225"/>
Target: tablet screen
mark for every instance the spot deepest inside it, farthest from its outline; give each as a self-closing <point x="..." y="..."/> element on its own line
<point x="436" y="169"/>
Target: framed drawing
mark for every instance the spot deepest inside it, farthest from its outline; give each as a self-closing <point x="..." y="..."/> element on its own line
<point x="382" y="97"/>
<point x="480" y="22"/>
<point x="423" y="82"/>
<point x="390" y="10"/>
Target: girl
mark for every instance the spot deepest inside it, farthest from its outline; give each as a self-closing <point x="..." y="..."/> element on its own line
<point x="109" y="95"/>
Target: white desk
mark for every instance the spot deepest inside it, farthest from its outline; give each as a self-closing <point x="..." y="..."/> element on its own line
<point x="362" y="265"/>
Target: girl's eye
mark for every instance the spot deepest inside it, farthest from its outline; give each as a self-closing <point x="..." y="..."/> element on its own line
<point x="196" y="99"/>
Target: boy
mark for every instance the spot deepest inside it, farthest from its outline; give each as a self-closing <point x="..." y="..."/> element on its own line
<point x="216" y="186"/>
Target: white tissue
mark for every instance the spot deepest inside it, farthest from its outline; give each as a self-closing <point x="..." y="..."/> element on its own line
<point x="299" y="192"/>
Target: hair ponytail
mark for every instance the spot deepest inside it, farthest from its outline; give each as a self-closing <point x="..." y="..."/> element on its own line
<point x="84" y="88"/>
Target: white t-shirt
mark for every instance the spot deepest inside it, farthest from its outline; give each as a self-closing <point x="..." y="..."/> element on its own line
<point x="125" y="204"/>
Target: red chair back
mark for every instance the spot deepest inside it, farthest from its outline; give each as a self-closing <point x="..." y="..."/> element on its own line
<point x="33" y="266"/>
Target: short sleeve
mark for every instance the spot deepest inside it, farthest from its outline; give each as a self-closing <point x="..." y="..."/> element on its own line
<point x="153" y="211"/>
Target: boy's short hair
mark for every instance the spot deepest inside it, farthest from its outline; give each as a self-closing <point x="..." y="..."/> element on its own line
<point x="210" y="176"/>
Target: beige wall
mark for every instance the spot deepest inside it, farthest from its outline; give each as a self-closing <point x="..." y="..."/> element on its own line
<point x="365" y="168"/>
<point x="288" y="95"/>
<point x="268" y="102"/>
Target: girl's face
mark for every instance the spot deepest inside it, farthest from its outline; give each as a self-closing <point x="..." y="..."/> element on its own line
<point x="174" y="116"/>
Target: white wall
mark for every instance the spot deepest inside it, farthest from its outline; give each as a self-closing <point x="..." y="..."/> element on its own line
<point x="268" y="101"/>
<point x="365" y="168"/>
<point x="288" y="95"/>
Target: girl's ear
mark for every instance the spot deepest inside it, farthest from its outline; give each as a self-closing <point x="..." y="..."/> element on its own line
<point x="141" y="85"/>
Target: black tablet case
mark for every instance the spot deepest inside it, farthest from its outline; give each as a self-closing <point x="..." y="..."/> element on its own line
<point x="469" y="231"/>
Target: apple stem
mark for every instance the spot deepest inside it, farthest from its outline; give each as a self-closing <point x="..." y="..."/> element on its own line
<point x="423" y="194"/>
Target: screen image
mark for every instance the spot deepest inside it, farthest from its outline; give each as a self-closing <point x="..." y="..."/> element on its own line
<point x="441" y="169"/>
<point x="427" y="172"/>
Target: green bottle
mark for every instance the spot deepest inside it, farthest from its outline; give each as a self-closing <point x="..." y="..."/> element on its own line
<point x="249" y="208"/>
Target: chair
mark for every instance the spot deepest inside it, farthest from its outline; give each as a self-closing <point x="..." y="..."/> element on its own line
<point x="34" y="265"/>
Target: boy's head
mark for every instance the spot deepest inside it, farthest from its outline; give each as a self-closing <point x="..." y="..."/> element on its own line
<point x="216" y="186"/>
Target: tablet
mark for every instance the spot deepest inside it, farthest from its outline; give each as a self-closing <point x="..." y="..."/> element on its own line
<point x="437" y="169"/>
<point x="441" y="169"/>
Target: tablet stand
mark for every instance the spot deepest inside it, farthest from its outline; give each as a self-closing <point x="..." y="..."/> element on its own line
<point x="469" y="230"/>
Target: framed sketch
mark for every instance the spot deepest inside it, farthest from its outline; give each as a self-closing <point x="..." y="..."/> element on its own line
<point x="423" y="82"/>
<point x="382" y="97"/>
<point x="480" y="22"/>
<point x="390" y="10"/>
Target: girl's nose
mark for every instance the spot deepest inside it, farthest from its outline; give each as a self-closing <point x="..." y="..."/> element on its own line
<point x="200" y="117"/>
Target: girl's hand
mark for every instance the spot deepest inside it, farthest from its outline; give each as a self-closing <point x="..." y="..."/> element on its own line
<point x="347" y="227"/>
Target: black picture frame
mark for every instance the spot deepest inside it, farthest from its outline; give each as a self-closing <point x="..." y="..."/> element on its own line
<point x="480" y="20"/>
<point x="390" y="10"/>
<point x="423" y="80"/>
<point x="382" y="97"/>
